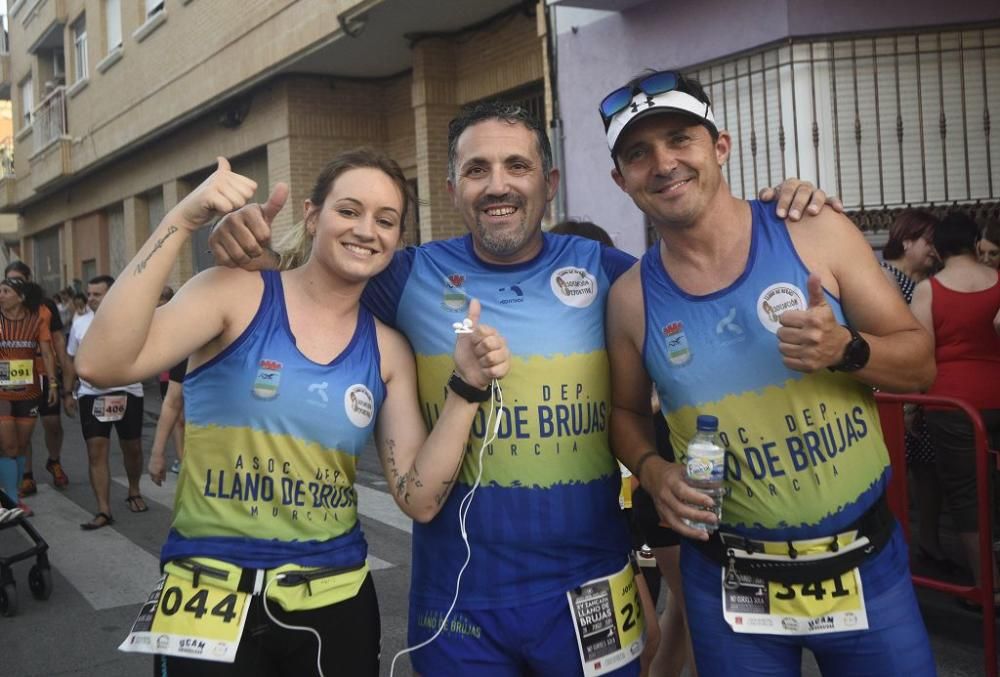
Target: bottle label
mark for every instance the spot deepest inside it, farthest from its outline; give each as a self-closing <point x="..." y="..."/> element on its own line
<point x="705" y="470"/>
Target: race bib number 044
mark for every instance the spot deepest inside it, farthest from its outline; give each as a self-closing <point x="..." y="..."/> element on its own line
<point x="607" y="617"/>
<point x="756" y="606"/>
<point x="180" y="620"/>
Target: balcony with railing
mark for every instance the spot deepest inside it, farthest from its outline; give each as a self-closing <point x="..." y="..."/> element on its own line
<point x="50" y="160"/>
<point x="42" y="23"/>
<point x="8" y="183"/>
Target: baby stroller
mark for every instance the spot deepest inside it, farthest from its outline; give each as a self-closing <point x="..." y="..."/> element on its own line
<point x="40" y="574"/>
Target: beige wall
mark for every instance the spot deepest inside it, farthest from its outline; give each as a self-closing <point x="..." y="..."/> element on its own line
<point x="90" y="235"/>
<point x="159" y="89"/>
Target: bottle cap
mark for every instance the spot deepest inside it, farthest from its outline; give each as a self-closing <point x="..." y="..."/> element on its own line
<point x="708" y="423"/>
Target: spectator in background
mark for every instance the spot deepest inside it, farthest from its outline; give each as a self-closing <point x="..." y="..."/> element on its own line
<point x="79" y="306"/>
<point x="171" y="423"/>
<point x="909" y="258"/>
<point x="64" y="303"/>
<point x="988" y="246"/>
<point x="587" y="229"/>
<point x="960" y="306"/>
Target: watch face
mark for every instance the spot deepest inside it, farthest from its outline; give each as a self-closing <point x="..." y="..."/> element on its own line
<point x="856" y="353"/>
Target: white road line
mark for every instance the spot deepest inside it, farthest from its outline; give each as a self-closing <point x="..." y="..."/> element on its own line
<point x="104" y="566"/>
<point x="377" y="505"/>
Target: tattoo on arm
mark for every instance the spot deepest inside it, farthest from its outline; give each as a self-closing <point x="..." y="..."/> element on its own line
<point x="445" y="490"/>
<point x="156" y="245"/>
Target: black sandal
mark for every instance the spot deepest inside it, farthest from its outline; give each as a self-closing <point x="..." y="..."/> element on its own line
<point x="94" y="524"/>
<point x="137" y="503"/>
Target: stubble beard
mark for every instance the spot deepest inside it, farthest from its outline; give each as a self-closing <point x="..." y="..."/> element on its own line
<point x="501" y="244"/>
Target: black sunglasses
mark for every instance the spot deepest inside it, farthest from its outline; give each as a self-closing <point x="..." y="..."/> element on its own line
<point x="651" y="85"/>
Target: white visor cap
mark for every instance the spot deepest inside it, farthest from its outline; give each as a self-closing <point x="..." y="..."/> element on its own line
<point x="673" y="101"/>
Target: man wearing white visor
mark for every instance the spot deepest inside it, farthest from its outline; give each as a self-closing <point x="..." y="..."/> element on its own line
<point x="779" y="330"/>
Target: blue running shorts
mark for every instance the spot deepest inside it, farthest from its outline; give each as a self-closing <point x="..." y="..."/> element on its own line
<point x="895" y="644"/>
<point x="536" y="639"/>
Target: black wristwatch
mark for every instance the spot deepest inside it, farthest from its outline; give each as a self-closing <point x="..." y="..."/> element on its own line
<point x="467" y="392"/>
<point x="856" y="353"/>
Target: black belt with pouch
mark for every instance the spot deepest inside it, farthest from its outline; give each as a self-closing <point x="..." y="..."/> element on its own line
<point x="741" y="555"/>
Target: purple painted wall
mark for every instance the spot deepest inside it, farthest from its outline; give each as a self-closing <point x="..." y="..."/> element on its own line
<point x="604" y="54"/>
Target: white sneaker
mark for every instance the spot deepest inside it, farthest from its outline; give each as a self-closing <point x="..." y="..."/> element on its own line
<point x="8" y="515"/>
<point x="176" y="467"/>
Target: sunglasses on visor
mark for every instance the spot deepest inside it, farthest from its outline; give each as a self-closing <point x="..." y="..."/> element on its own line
<point x="651" y="85"/>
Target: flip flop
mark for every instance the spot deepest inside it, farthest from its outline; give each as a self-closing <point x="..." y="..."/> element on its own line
<point x="94" y="524"/>
<point x="136" y="503"/>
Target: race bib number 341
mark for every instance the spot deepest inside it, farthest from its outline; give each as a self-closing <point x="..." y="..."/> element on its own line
<point x="756" y="606"/>
<point x="181" y="620"/>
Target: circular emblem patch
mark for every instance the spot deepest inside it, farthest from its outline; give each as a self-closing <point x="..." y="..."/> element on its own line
<point x="574" y="286"/>
<point x="777" y="299"/>
<point x="359" y="405"/>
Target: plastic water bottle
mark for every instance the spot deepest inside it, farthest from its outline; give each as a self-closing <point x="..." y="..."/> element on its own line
<point x="706" y="467"/>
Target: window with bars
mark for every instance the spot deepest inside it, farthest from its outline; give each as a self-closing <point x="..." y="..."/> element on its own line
<point x="882" y="121"/>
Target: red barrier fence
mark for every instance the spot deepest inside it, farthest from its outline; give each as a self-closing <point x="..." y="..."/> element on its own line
<point x="891" y="412"/>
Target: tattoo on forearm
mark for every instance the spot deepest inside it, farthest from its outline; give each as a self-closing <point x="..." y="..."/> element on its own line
<point x="445" y="490"/>
<point x="156" y="245"/>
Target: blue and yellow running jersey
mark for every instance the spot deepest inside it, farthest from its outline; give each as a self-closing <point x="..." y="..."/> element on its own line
<point x="804" y="452"/>
<point x="546" y="517"/>
<point x="272" y="441"/>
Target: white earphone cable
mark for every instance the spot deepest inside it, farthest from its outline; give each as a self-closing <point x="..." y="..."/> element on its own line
<point x="496" y="407"/>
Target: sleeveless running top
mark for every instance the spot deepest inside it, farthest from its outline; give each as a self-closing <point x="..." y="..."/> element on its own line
<point x="19" y="341"/>
<point x="546" y="517"/>
<point x="272" y="442"/>
<point x="966" y="346"/>
<point x="804" y="453"/>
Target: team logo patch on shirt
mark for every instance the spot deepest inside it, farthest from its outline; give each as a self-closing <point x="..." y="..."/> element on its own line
<point x="678" y="351"/>
<point x="575" y="287"/>
<point x="455" y="298"/>
<point x="265" y="385"/>
<point x="776" y="300"/>
<point x="359" y="405"/>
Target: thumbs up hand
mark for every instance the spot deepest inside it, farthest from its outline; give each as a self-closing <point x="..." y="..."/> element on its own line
<point x="222" y="192"/>
<point x="481" y="355"/>
<point x="812" y="339"/>
<point x="242" y="238"/>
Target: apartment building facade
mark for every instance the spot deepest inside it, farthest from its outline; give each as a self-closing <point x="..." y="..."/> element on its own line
<point x="885" y="104"/>
<point x="120" y="107"/>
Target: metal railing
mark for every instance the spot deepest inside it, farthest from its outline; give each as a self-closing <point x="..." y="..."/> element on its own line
<point x="890" y="409"/>
<point x="882" y="121"/>
<point x="49" y="118"/>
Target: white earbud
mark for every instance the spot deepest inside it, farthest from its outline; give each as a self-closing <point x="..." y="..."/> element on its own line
<point x="463" y="327"/>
